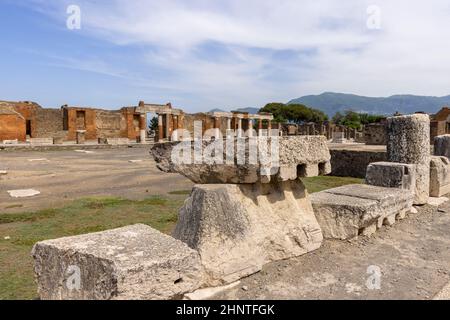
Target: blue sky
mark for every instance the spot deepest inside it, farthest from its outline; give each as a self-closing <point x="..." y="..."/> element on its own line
<point x="201" y="54"/>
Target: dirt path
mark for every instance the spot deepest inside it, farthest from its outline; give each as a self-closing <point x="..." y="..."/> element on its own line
<point x="62" y="176"/>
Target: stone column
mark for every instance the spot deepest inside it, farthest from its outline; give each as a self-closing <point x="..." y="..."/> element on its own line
<point x="142" y="128"/>
<point x="250" y="127"/>
<point x="239" y="127"/>
<point x="228" y="123"/>
<point x="217" y="126"/>
<point x="175" y="127"/>
<point x="168" y="116"/>
<point x="160" y="127"/>
<point x="409" y="142"/>
<point x="81" y="136"/>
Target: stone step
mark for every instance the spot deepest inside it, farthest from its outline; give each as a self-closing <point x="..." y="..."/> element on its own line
<point x="348" y="211"/>
<point x="133" y="263"/>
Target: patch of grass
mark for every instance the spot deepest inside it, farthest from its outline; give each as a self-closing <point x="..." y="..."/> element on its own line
<point x="81" y="216"/>
<point x="13" y="206"/>
<point x="181" y="192"/>
<point x="317" y="184"/>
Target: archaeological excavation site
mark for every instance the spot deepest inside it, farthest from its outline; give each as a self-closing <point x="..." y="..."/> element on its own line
<point x="224" y="159"/>
<point x="259" y="206"/>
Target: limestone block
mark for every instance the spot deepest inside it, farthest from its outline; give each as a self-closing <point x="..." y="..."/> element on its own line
<point x="442" y="145"/>
<point x="339" y="137"/>
<point x="346" y="212"/>
<point x="439" y="176"/>
<point x="392" y="175"/>
<point x="237" y="228"/>
<point x="409" y="142"/>
<point x="41" y="141"/>
<point x="81" y="136"/>
<point x="299" y="156"/>
<point x="16" y="141"/>
<point x="58" y="140"/>
<point x="134" y="262"/>
<point x="117" y="141"/>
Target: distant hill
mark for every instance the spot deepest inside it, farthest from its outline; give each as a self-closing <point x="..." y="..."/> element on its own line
<point x="249" y="110"/>
<point x="217" y="110"/>
<point x="330" y="103"/>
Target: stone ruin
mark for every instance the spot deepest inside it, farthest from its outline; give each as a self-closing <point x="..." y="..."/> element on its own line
<point x="238" y="218"/>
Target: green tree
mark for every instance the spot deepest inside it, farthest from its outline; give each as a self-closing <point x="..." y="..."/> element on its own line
<point x="353" y="119"/>
<point x="154" y="124"/>
<point x="296" y="113"/>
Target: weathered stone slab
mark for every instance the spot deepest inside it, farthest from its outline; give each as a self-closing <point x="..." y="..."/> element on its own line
<point x="348" y="211"/>
<point x="239" y="228"/>
<point x="439" y="176"/>
<point x="41" y="141"/>
<point x="134" y="262"/>
<point x="117" y="141"/>
<point x="299" y="156"/>
<point x="23" y="193"/>
<point x="409" y="142"/>
<point x="392" y="175"/>
<point x="16" y="141"/>
<point x="442" y="145"/>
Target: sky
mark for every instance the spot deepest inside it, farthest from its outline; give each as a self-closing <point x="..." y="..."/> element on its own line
<point x="226" y="54"/>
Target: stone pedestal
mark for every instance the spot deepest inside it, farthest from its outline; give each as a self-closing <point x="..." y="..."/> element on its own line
<point x="236" y="229"/>
<point x="439" y="176"/>
<point x="81" y="136"/>
<point x="408" y="141"/>
<point x="339" y="137"/>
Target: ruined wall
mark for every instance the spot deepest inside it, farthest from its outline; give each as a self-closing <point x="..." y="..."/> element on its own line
<point x="12" y="127"/>
<point x="353" y="163"/>
<point x="208" y="122"/>
<point x="110" y="124"/>
<point x="375" y="134"/>
<point x="442" y="115"/>
<point x="437" y="128"/>
<point x="81" y="119"/>
<point x="48" y="123"/>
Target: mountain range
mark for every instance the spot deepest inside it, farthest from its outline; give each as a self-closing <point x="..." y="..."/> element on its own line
<point x="331" y="102"/>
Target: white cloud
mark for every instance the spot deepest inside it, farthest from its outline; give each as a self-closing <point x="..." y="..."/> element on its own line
<point x="410" y="54"/>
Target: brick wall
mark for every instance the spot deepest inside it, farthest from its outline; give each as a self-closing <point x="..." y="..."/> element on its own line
<point x="110" y="124"/>
<point x="48" y="123"/>
<point x="12" y="126"/>
<point x="88" y="123"/>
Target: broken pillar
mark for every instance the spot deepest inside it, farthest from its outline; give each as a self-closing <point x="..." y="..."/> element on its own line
<point x="409" y="142"/>
<point x="392" y="175"/>
<point x="442" y="145"/>
<point x="130" y="263"/>
<point x="81" y="136"/>
<point x="243" y="216"/>
<point x="299" y="156"/>
<point x="237" y="228"/>
<point x="439" y="176"/>
<point x="352" y="210"/>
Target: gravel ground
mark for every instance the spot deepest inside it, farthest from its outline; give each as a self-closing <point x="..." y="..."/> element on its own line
<point x="413" y="257"/>
<point x="62" y="176"/>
